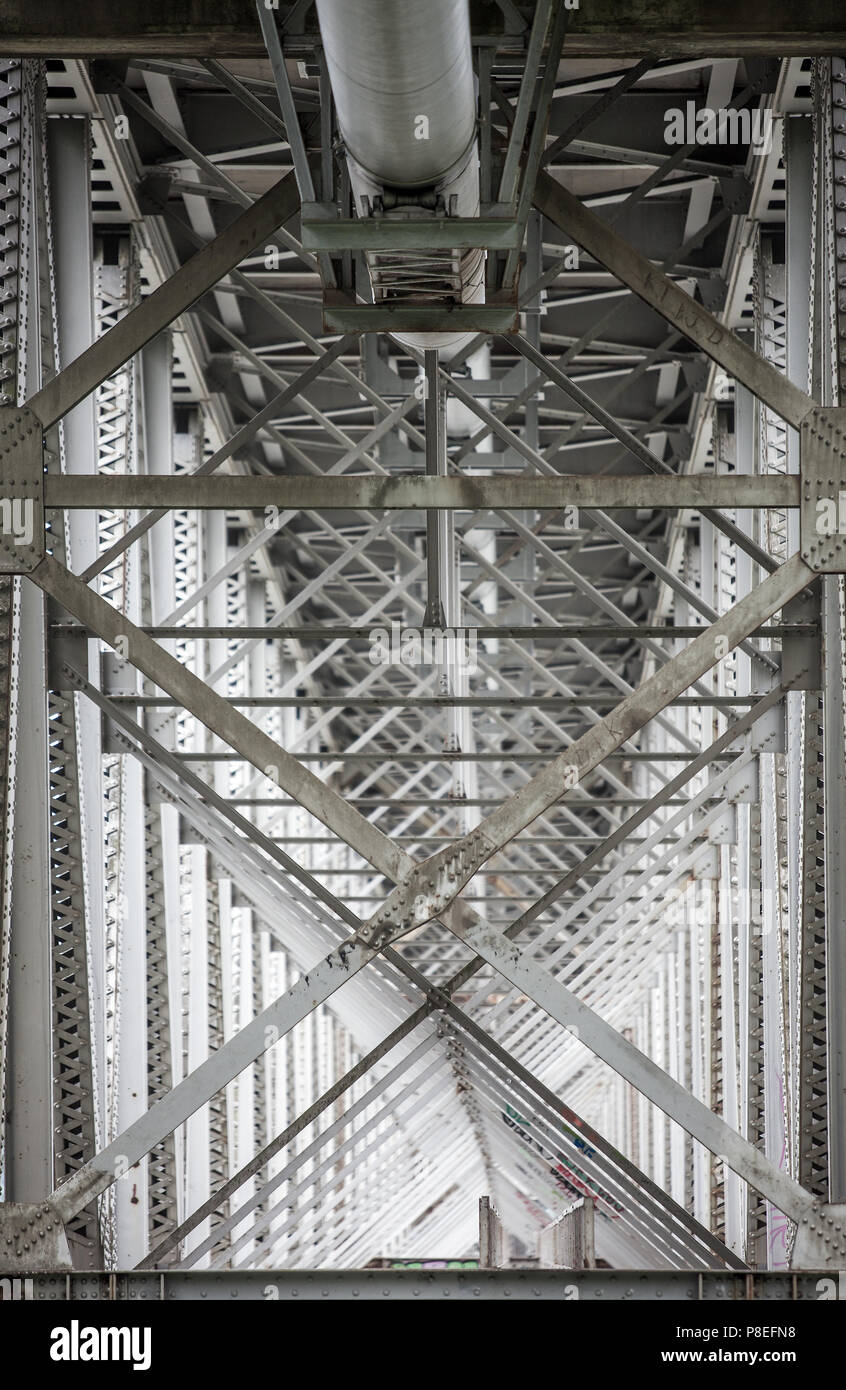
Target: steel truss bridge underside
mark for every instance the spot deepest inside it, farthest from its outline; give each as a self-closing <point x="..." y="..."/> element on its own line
<point x="424" y="775"/>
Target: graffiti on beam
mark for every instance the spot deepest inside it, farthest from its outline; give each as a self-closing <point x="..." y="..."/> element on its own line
<point x="567" y="1177"/>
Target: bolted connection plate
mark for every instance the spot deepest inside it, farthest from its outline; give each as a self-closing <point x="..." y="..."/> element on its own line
<point x="822" y="506"/>
<point x="21" y="491"/>
<point x="32" y="1239"/>
<point x="821" y="1238"/>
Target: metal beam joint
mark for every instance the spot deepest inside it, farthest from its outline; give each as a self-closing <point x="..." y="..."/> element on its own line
<point x="822" y="511"/>
<point x="21" y="491"/>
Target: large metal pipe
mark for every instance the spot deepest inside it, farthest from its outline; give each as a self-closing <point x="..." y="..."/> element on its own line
<point x="402" y="79"/>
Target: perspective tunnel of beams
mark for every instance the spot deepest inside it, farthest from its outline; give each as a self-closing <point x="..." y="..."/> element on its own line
<point x="424" y="749"/>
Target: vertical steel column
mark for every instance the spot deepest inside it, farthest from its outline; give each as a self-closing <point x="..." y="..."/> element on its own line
<point x="29" y="1155"/>
<point x="834" y="670"/>
<point x="834" y="759"/>
<point x="65" y="292"/>
<point x="435" y="467"/>
<point x="220" y="611"/>
<point x="10" y="197"/>
<point x="29" y="1074"/>
<point x="771" y="454"/>
<point x="161" y="821"/>
<point x="195" y="937"/>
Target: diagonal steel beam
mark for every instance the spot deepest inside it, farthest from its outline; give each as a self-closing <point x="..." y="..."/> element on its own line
<point x="530" y="161"/>
<point x="160" y="308"/>
<point x="635" y="447"/>
<point x="597" y="108"/>
<point x="429" y="890"/>
<point x="661" y="293"/>
<point x="264" y="1219"/>
<point x="671" y="1097"/>
<point x="434" y="1000"/>
<point x="345" y="914"/>
<point x="246" y="97"/>
<point x="644" y="813"/>
<point x="431" y="887"/>
<point x="511" y="164"/>
<point x="194" y="695"/>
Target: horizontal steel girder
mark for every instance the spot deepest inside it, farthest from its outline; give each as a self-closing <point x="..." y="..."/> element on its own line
<point x="374" y="491"/>
<point x="204" y="28"/>
<point x="428" y="1280"/>
<point x="407" y="233"/>
<point x="344" y="315"/>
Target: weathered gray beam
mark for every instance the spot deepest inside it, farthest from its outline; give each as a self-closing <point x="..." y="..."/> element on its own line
<point x="375" y="491"/>
<point x="310" y="632"/>
<point x="665" y="296"/>
<point x="414" y="701"/>
<point x="322" y="233"/>
<point x="343" y="315"/>
<point x="530" y="158"/>
<point x="235" y="729"/>
<point x="295" y="1287"/>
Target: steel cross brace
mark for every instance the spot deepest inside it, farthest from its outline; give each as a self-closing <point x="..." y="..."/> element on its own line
<point x="430" y="889"/>
<point x="152" y="658"/>
<point x="436" y="1001"/>
<point x="662" y="294"/>
<point x="443" y="877"/>
<point x="432" y="886"/>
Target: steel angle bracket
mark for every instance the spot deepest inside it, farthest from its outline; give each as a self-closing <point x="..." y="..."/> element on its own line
<point x="22" y="545"/>
<point x="427" y="891"/>
<point x="822" y="506"/>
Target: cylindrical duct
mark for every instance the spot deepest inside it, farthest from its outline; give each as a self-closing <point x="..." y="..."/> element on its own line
<point x="390" y="63"/>
<point x="402" y="78"/>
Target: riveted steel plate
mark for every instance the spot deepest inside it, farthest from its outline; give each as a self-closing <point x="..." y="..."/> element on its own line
<point x="32" y="1238"/>
<point x="21" y="491"/>
<point x="820" y="1241"/>
<point x="822" y="506"/>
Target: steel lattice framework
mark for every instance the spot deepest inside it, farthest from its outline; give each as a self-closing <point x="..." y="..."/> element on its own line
<point x="423" y="779"/>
